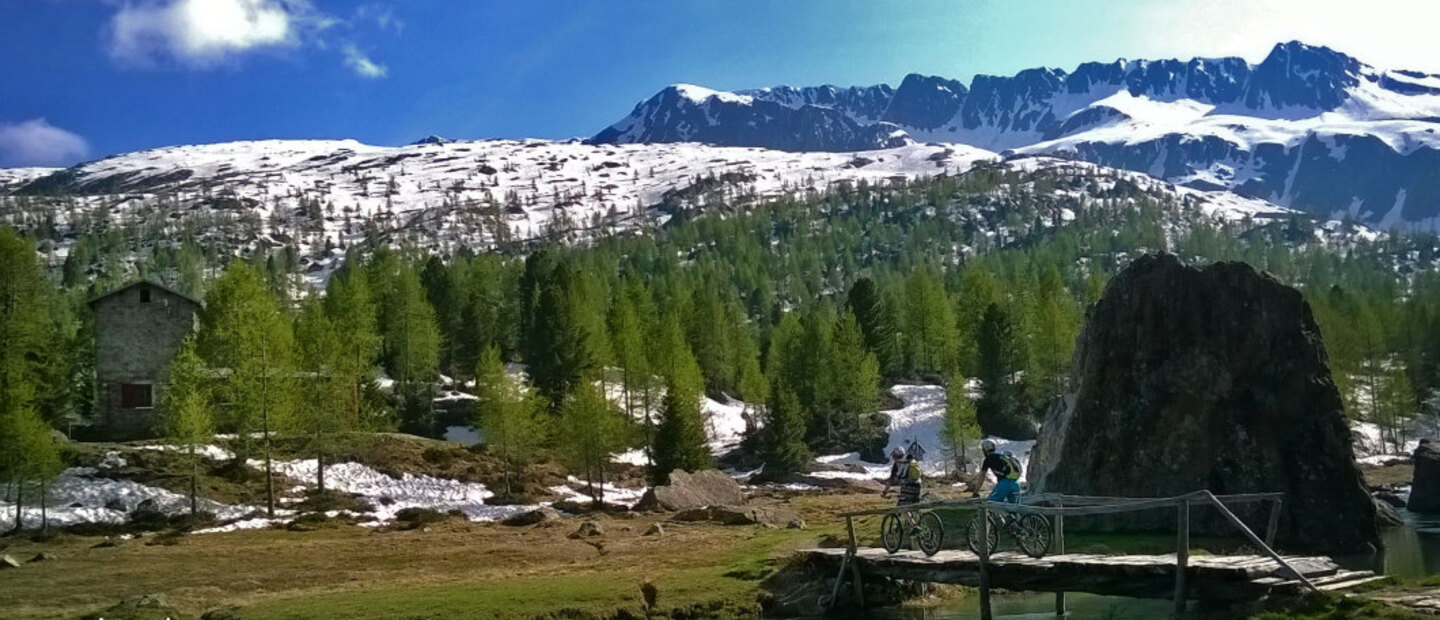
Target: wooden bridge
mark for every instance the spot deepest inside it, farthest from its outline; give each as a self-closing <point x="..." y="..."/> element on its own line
<point x="1177" y="575"/>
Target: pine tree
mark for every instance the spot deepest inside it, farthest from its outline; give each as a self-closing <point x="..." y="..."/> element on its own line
<point x="187" y="421"/>
<point x="877" y="320"/>
<point x="998" y="410"/>
<point x="961" y="428"/>
<point x="978" y="289"/>
<point x="244" y="331"/>
<point x="783" y="438"/>
<point x="23" y="323"/>
<point x="680" y="439"/>
<point x="590" y="430"/>
<point x="512" y="419"/>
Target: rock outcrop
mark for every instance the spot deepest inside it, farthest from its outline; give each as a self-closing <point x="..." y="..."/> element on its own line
<point x="1425" y="486"/>
<point x="1208" y="378"/>
<point x="688" y="491"/>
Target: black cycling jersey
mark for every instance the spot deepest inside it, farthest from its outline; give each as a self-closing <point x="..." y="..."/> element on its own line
<point x="996" y="463"/>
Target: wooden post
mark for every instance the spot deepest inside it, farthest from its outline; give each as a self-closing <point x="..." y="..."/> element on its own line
<point x="855" y="565"/>
<point x="1182" y="556"/>
<point x="1245" y="529"/>
<point x="984" y="562"/>
<point x="1273" y="525"/>
<point x="1060" y="550"/>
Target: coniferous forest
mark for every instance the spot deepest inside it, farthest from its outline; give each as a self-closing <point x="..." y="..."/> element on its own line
<point x="805" y="308"/>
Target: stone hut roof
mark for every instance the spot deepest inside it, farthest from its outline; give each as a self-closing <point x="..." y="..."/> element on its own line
<point x="153" y="283"/>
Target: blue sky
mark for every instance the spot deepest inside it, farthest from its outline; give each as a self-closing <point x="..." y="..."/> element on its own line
<point x="88" y="78"/>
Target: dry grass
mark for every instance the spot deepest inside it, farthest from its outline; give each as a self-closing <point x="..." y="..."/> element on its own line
<point x="278" y="573"/>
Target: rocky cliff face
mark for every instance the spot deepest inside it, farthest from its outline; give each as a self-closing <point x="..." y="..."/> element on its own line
<point x="1425" y="487"/>
<point x="1308" y="127"/>
<point x="1208" y="378"/>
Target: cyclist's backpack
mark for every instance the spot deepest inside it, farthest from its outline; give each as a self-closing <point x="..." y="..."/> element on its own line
<point x="1014" y="464"/>
<point x="912" y="472"/>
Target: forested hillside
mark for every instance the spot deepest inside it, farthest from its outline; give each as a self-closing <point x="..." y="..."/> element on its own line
<point x="808" y="305"/>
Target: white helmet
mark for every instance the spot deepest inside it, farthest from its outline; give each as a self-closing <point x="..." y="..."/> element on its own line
<point x="987" y="445"/>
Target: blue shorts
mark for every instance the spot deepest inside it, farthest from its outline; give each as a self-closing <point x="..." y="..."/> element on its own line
<point x="1006" y="490"/>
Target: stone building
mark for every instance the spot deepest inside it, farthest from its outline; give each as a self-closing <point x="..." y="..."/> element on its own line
<point x="138" y="329"/>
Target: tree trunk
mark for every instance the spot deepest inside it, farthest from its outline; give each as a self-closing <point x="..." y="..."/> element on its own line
<point x="44" y="508"/>
<point x="19" y="504"/>
<point x="320" y="471"/>
<point x="194" y="482"/>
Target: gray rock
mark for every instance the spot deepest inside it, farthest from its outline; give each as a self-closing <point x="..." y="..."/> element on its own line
<point x="532" y="517"/>
<point x="1425" y="486"/>
<point x="44" y="556"/>
<point x="754" y="515"/>
<point x="686" y="491"/>
<point x="1387" y="515"/>
<point x="693" y="514"/>
<point x="655" y="529"/>
<point x="588" y="529"/>
<point x="1213" y="378"/>
<point x="8" y="562"/>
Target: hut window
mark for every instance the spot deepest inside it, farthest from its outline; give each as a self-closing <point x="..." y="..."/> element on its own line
<point x="144" y="295"/>
<point x="137" y="395"/>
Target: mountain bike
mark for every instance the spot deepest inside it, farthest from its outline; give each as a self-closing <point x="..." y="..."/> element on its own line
<point x="1032" y="533"/>
<point x="921" y="527"/>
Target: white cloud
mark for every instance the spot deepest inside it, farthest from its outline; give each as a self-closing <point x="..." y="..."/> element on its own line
<point x="38" y="143"/>
<point x="1396" y="34"/>
<point x="205" y="32"/>
<point x="361" y="64"/>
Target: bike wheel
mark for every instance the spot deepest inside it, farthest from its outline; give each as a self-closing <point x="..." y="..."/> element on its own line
<point x="972" y="535"/>
<point x="930" y="533"/>
<point x="1033" y="534"/>
<point x="892" y="532"/>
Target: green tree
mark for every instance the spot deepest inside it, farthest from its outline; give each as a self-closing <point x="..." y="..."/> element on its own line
<point x="591" y="428"/>
<point x="512" y="419"/>
<point x="245" y="335"/>
<point x="351" y="311"/>
<point x="930" y="327"/>
<point x="783" y="437"/>
<point x="29" y="457"/>
<point x="877" y="320"/>
<point x="23" y="324"/>
<point x="324" y="402"/>
<point x="680" y="439"/>
<point x="998" y="410"/>
<point x="187" y="421"/>
<point x="856" y="375"/>
<point x="960" y="428"/>
<point x="412" y="350"/>
<point x="628" y="344"/>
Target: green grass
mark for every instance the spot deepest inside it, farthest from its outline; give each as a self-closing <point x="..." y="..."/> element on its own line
<point x="725" y="589"/>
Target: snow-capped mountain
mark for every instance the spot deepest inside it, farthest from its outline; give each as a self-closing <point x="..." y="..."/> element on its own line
<point x="1308" y="127"/>
<point x="321" y="196"/>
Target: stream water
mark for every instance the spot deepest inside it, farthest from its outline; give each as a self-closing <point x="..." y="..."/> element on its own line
<point x="1411" y="551"/>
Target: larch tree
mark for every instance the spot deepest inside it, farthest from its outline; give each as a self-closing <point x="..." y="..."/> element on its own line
<point x="412" y="348"/>
<point x="323" y="405"/>
<point x="350" y="306"/>
<point x="590" y="429"/>
<point x="628" y="345"/>
<point x="29" y="457"/>
<point x="856" y="374"/>
<point x="960" y="427"/>
<point x="511" y="417"/>
<point x="187" y="421"/>
<point x="246" y="337"/>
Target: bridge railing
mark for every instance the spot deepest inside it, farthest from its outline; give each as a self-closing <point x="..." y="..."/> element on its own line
<point x="1058" y="506"/>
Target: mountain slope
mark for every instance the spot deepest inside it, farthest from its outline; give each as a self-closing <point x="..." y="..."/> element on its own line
<point x="1308" y="127"/>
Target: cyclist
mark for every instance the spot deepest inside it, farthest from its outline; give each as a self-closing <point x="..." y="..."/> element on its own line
<point x="905" y="472"/>
<point x="1007" y="474"/>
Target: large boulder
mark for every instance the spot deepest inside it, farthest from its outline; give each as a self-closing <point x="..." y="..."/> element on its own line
<point x="1211" y="378"/>
<point x="1425" y="486"/>
<point x="690" y="491"/>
